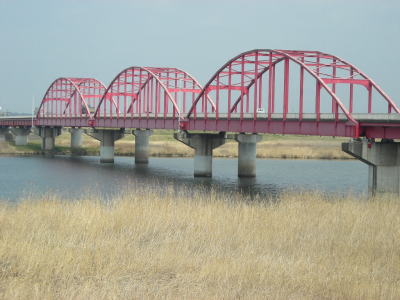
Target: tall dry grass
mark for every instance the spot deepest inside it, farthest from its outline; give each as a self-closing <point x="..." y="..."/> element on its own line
<point x="211" y="246"/>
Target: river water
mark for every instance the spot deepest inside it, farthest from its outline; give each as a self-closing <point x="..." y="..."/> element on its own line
<point x="73" y="177"/>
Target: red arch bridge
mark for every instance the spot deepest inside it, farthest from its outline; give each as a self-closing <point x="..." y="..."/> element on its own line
<point x="258" y="91"/>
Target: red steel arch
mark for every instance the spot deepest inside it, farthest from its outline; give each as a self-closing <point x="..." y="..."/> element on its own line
<point x="250" y="93"/>
<point x="241" y="85"/>
<point x="74" y="98"/>
<point x="149" y="93"/>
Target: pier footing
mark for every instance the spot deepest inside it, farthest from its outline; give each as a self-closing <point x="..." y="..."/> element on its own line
<point x="383" y="159"/>
<point x="203" y="144"/>
<point x="76" y="138"/>
<point x="21" y="135"/>
<point x="107" y="138"/>
<point x="247" y="154"/>
<point x="48" y="135"/>
<point x="142" y="145"/>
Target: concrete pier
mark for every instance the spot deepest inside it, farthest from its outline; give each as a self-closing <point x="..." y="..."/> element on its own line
<point x="203" y="144"/>
<point x="3" y="132"/>
<point x="142" y="145"/>
<point x="247" y="144"/>
<point x="76" y="138"/>
<point x="21" y="135"/>
<point x="48" y="135"/>
<point x="107" y="138"/>
<point x="383" y="159"/>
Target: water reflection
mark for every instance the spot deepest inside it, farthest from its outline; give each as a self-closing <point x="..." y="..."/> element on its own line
<point x="73" y="176"/>
<point x="248" y="185"/>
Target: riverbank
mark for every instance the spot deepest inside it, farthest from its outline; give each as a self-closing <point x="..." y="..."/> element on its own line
<point x="212" y="246"/>
<point x="163" y="145"/>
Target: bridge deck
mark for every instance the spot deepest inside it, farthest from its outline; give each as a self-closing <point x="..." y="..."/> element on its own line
<point x="371" y="125"/>
<point x="370" y="118"/>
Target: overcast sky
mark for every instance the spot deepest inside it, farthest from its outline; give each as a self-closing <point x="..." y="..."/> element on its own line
<point x="43" y="40"/>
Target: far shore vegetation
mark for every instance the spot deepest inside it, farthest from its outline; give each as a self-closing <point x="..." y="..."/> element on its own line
<point x="143" y="245"/>
<point x="162" y="144"/>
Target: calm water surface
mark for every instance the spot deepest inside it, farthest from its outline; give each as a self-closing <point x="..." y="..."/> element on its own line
<point x="72" y="177"/>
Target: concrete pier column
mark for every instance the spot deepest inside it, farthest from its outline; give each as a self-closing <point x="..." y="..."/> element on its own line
<point x="107" y="137"/>
<point x="76" y="138"/>
<point x="247" y="154"/>
<point x="142" y="145"/>
<point x="21" y="135"/>
<point x="3" y="132"/>
<point x="383" y="159"/>
<point x="48" y="135"/>
<point x="203" y="144"/>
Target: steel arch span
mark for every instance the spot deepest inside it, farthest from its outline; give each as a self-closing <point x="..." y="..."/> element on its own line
<point x="258" y="91"/>
<point x="70" y="101"/>
<point x="289" y="92"/>
<point x="148" y="97"/>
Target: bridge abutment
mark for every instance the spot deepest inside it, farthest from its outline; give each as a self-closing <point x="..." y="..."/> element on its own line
<point x="21" y="135"/>
<point x="142" y="145"/>
<point x="203" y="144"/>
<point x="48" y="135"/>
<point x="107" y="138"/>
<point x="76" y="138"/>
<point x="383" y="159"/>
<point x="247" y="144"/>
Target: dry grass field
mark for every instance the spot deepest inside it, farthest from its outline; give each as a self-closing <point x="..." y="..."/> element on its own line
<point x="7" y="148"/>
<point x="211" y="246"/>
<point x="162" y="144"/>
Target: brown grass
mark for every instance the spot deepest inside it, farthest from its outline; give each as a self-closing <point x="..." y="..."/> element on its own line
<point x="163" y="145"/>
<point x="209" y="247"/>
<point x="7" y="148"/>
<point x="295" y="149"/>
